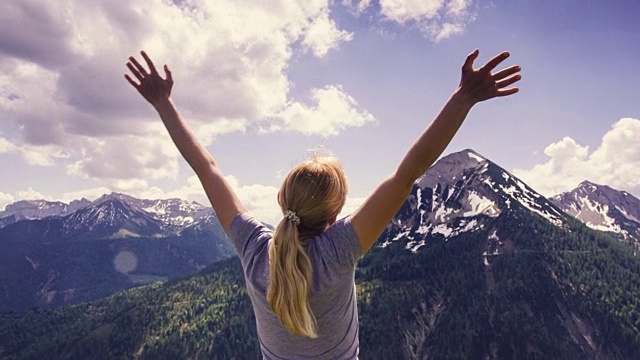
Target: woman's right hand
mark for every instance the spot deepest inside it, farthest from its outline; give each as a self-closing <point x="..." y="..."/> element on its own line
<point x="151" y="85"/>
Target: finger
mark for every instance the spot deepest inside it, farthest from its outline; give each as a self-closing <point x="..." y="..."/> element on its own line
<point x="506" y="72"/>
<point x="135" y="85"/>
<point x="138" y="66"/>
<point x="507" y="92"/>
<point x="167" y="74"/>
<point x="508" y="81"/>
<point x="495" y="62"/>
<point x="134" y="71"/>
<point x="152" y="68"/>
<point x="468" y="64"/>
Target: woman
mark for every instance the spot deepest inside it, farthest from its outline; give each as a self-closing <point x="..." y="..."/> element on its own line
<point x="300" y="277"/>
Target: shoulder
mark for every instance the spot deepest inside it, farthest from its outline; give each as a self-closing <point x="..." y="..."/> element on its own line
<point x="339" y="243"/>
<point x="245" y="231"/>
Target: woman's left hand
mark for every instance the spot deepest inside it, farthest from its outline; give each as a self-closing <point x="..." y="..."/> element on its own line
<point x="151" y="85"/>
<point x="480" y="84"/>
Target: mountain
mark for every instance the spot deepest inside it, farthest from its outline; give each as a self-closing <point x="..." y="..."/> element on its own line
<point x="464" y="192"/>
<point x="479" y="265"/>
<point x="38" y="209"/>
<point x="603" y="208"/>
<point x="111" y="244"/>
<point x="174" y="214"/>
<point x="112" y="218"/>
<point x="475" y="265"/>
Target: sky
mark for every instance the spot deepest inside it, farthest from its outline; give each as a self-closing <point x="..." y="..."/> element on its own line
<point x="264" y="83"/>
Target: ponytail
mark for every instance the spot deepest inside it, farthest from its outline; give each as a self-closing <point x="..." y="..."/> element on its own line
<point x="290" y="280"/>
<point x="311" y="196"/>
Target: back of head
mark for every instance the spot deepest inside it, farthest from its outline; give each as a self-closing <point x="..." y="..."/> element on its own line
<point x="312" y="195"/>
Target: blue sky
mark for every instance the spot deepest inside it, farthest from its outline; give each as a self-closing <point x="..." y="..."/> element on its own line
<point x="261" y="83"/>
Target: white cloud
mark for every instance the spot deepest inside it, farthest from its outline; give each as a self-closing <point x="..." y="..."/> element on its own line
<point x="43" y="155"/>
<point x="89" y="194"/>
<point x="30" y="102"/>
<point x="440" y="32"/>
<point x="206" y="133"/>
<point x="351" y="205"/>
<point x="30" y="194"/>
<point x="333" y="112"/>
<point x="436" y="19"/>
<point x="6" y="199"/>
<point x="323" y="35"/>
<point x="357" y="7"/>
<point x="64" y="93"/>
<point x="6" y="146"/>
<point x="127" y="161"/>
<point x="260" y="200"/>
<point x="404" y="10"/>
<point x="615" y="162"/>
<point x="191" y="190"/>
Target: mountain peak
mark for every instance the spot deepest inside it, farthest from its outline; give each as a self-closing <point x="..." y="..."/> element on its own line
<point x="114" y="196"/>
<point x="459" y="193"/>
<point x="603" y="208"/>
<point x="464" y="156"/>
<point x="451" y="168"/>
<point x="590" y="186"/>
<point x="587" y="183"/>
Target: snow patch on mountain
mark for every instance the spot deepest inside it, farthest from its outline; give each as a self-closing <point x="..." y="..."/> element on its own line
<point x="442" y="212"/>
<point x="447" y="230"/>
<point x="480" y="205"/>
<point x="34" y="264"/>
<point x="475" y="156"/>
<point x="494" y="244"/>
<point x="626" y="215"/>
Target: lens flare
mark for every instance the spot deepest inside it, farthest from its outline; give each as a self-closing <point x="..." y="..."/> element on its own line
<point x="125" y="261"/>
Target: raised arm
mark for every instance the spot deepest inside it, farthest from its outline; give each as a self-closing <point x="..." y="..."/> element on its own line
<point x="476" y="85"/>
<point x="157" y="91"/>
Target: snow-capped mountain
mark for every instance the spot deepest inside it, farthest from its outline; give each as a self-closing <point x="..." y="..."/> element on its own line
<point x="473" y="241"/>
<point x="38" y="209"/>
<point x="603" y="208"/>
<point x="112" y="218"/>
<point x="163" y="216"/>
<point x="113" y="243"/>
<point x="461" y="193"/>
<point x="175" y="214"/>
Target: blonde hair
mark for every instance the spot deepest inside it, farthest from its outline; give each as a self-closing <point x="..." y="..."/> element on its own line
<point x="315" y="191"/>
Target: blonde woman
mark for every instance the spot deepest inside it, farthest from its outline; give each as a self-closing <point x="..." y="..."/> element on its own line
<point x="300" y="276"/>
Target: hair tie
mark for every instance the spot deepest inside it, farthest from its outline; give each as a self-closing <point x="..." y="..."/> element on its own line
<point x="291" y="215"/>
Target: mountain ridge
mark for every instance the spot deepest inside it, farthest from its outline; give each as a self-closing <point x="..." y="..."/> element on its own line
<point x="109" y="245"/>
<point x="524" y="281"/>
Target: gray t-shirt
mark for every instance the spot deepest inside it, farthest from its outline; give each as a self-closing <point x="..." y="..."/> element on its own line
<point x="333" y="255"/>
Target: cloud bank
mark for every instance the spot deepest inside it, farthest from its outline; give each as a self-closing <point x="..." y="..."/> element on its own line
<point x="614" y="162"/>
<point x="66" y="102"/>
<point x="436" y="19"/>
